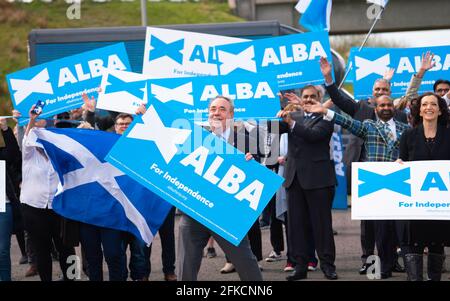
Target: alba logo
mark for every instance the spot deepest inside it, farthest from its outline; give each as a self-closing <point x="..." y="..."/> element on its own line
<point x="294" y="53"/>
<point x="181" y="93"/>
<point x="25" y="87"/>
<point x="405" y="64"/>
<point x="366" y="67"/>
<point x="374" y="182"/>
<point x="117" y="85"/>
<point x="238" y="91"/>
<point x="165" y="138"/>
<point x="41" y="82"/>
<point x="171" y="50"/>
<point x="243" y="60"/>
<point x="396" y="182"/>
<point x="174" y="51"/>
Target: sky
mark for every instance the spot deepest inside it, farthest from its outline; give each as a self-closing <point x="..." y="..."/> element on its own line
<point x="418" y="38"/>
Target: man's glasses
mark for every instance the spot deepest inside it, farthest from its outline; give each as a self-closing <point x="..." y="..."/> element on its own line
<point x="123" y="123"/>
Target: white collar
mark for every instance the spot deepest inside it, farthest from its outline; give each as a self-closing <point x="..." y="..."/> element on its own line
<point x="225" y="135"/>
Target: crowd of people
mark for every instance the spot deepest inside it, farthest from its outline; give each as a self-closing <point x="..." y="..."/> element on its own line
<point x="411" y="128"/>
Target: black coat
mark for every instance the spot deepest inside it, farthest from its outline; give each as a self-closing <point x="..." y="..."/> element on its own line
<point x="11" y="154"/>
<point x="413" y="148"/>
<point x="309" y="152"/>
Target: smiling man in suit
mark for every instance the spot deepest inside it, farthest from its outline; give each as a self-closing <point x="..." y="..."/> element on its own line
<point x="381" y="143"/>
<point x="194" y="236"/>
<point x="310" y="184"/>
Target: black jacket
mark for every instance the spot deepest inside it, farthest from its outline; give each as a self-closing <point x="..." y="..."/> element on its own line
<point x="309" y="152"/>
<point x="413" y="148"/>
<point x="13" y="157"/>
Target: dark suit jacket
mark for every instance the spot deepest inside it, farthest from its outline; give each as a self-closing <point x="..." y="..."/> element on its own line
<point x="309" y="152"/>
<point x="413" y="148"/>
<point x="240" y="139"/>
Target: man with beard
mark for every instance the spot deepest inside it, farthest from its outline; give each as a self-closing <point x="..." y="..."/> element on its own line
<point x="354" y="151"/>
<point x="381" y="143"/>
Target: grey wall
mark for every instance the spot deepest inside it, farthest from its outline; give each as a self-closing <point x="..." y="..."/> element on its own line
<point x="350" y="16"/>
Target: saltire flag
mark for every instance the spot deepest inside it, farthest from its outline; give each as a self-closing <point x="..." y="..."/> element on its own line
<point x="93" y="191"/>
<point x="381" y="3"/>
<point x="315" y="14"/>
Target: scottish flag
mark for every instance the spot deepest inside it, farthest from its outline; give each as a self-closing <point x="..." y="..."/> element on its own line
<point x="92" y="190"/>
<point x="381" y="3"/>
<point x="315" y="14"/>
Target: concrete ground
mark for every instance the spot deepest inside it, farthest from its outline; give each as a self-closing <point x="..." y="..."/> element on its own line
<point x="348" y="252"/>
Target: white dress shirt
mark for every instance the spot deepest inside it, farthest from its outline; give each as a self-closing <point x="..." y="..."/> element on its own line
<point x="225" y="135"/>
<point x="391" y="125"/>
<point x="39" y="179"/>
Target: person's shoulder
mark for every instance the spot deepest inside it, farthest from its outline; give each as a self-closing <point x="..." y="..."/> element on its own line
<point x="369" y="121"/>
<point x="445" y="130"/>
<point x="402" y="125"/>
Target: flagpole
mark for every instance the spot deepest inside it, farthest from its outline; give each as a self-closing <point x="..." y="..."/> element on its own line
<point x="144" y="12"/>
<point x="350" y="65"/>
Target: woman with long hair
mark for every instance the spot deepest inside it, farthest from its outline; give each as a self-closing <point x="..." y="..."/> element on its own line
<point x="429" y="139"/>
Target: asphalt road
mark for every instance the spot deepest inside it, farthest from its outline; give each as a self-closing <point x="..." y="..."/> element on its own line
<point x="348" y="252"/>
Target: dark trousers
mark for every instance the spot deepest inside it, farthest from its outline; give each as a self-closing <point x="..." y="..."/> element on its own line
<point x="367" y="239"/>
<point x="92" y="239"/>
<point x="255" y="239"/>
<point x="311" y="208"/>
<point x="418" y="249"/>
<point x="167" y="235"/>
<point x="385" y="242"/>
<point x="20" y="236"/>
<point x="276" y="227"/>
<point x="43" y="226"/>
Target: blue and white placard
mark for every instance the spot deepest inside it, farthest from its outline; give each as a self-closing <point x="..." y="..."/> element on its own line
<point x="60" y="83"/>
<point x="294" y="58"/>
<point x="370" y="64"/>
<point x="254" y="98"/>
<point x="390" y="190"/>
<point x="174" y="53"/>
<point x="194" y="170"/>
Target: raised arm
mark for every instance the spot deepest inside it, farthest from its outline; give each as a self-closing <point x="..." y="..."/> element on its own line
<point x="32" y="121"/>
<point x="416" y="80"/>
<point x="356" y="127"/>
<point x="341" y="100"/>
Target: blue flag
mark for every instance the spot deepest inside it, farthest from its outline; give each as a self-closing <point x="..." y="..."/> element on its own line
<point x="92" y="190"/>
<point x="315" y="14"/>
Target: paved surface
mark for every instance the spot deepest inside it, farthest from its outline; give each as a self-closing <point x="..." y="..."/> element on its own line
<point x="347" y="259"/>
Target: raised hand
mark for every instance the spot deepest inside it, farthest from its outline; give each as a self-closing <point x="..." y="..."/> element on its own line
<point x="293" y="98"/>
<point x="141" y="109"/>
<point x="316" y="107"/>
<point x="248" y="156"/>
<point x="3" y="124"/>
<point x="286" y="116"/>
<point x="16" y="114"/>
<point x="426" y="64"/>
<point x="325" y="68"/>
<point x="89" y="104"/>
<point x="388" y="74"/>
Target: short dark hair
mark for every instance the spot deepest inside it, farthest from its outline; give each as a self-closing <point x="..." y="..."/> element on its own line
<point x="440" y="81"/>
<point x="386" y="96"/>
<point x="123" y="116"/>
<point x="415" y="109"/>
